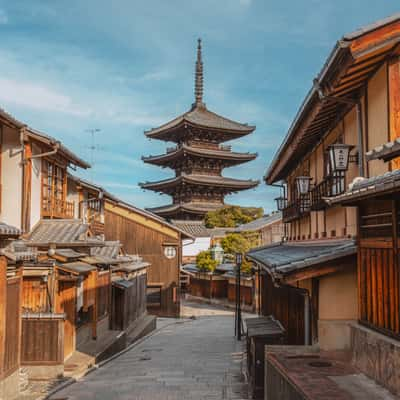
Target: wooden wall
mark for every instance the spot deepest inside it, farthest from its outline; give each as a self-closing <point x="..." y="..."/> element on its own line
<point x="10" y="320"/>
<point x="287" y="306"/>
<point x="42" y="340"/>
<point x="149" y="243"/>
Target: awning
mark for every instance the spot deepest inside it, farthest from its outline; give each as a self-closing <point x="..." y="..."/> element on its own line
<point x="131" y="267"/>
<point x="78" y="268"/>
<point x="286" y="258"/>
<point x="366" y="188"/>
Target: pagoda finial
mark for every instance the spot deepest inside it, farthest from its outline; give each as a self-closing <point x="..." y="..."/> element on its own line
<point x="198" y="83"/>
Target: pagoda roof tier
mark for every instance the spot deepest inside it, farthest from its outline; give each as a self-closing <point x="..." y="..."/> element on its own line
<point x="229" y="184"/>
<point x="199" y="209"/>
<point x="223" y="154"/>
<point x="204" y="120"/>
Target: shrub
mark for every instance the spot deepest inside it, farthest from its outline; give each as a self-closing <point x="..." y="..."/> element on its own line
<point x="205" y="262"/>
<point x="231" y="216"/>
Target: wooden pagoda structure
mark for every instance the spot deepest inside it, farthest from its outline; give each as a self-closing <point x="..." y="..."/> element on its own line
<point x="198" y="158"/>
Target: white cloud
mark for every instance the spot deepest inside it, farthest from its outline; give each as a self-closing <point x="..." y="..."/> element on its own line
<point x="3" y="18"/>
<point x="39" y="97"/>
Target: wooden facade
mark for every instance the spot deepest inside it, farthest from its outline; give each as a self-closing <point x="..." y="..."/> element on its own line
<point x="144" y="234"/>
<point x="10" y="321"/>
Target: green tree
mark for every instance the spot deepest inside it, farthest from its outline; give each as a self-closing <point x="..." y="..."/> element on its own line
<point x="231" y="216"/>
<point x="239" y="243"/>
<point x="205" y="262"/>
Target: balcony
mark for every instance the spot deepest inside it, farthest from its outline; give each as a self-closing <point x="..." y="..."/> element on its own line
<point x="329" y="187"/>
<point x="57" y="208"/>
<point x="296" y="209"/>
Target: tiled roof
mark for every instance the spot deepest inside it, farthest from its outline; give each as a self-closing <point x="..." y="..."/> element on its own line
<point x="194" y="207"/>
<point x="201" y="116"/>
<point x="206" y="180"/>
<point x="8" y="230"/>
<point x="110" y="249"/>
<point x="283" y="258"/>
<point x="194" y="228"/>
<point x="386" y="151"/>
<point x="19" y="251"/>
<point x="61" y="231"/>
<point x="363" y="188"/>
<point x="181" y="151"/>
<point x="260" y="223"/>
<point x="77" y="267"/>
<point x="42" y="137"/>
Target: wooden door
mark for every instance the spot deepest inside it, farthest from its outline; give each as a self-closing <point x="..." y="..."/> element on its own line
<point x="67" y="305"/>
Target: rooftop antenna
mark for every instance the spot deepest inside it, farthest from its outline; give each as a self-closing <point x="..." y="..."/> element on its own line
<point x="93" y="147"/>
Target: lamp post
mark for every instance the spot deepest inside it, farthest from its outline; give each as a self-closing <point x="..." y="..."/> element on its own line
<point x="238" y="313"/>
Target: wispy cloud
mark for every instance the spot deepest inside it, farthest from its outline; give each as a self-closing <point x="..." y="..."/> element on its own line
<point x="245" y="2"/>
<point x="39" y="97"/>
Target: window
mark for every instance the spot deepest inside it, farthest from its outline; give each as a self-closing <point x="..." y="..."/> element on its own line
<point x="54" y="191"/>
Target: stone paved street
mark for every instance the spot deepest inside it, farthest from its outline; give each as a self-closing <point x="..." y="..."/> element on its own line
<point x="187" y="359"/>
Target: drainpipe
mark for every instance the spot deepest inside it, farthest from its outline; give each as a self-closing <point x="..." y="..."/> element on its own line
<point x="357" y="104"/>
<point x="48" y="153"/>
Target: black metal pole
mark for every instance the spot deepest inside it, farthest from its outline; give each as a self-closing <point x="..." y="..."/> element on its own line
<point x="238" y="308"/>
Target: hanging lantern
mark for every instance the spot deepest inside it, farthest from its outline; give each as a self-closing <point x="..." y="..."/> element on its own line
<point x="339" y="156"/>
<point x="303" y="184"/>
<point x="280" y="203"/>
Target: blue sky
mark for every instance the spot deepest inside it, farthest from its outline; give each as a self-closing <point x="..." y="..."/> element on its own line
<point x="126" y="66"/>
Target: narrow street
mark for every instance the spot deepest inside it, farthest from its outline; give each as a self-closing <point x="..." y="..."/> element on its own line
<point x="191" y="358"/>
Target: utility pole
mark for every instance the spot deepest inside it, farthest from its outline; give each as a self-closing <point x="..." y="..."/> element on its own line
<point x="238" y="311"/>
<point x="92" y="148"/>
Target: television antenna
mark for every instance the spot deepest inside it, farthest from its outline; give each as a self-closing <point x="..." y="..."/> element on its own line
<point x="92" y="148"/>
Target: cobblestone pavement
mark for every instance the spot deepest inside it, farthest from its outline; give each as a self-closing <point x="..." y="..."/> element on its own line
<point x="186" y="359"/>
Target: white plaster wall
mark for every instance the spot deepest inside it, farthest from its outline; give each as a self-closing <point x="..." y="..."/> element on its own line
<point x="11" y="178"/>
<point x="195" y="248"/>
<point x="36" y="187"/>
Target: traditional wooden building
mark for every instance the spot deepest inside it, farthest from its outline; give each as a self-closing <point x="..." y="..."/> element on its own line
<point x="267" y="229"/>
<point x="33" y="175"/>
<point x="334" y="281"/>
<point x="198" y="158"/>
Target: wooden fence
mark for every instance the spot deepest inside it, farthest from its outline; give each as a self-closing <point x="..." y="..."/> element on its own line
<point x="13" y="325"/>
<point x="103" y="294"/>
<point x="42" y="339"/>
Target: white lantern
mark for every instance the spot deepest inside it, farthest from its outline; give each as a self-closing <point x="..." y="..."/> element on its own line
<point x="280" y="203"/>
<point x="339" y="156"/>
<point x="303" y="184"/>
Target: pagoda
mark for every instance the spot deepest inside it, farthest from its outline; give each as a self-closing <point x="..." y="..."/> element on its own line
<point x="198" y="158"/>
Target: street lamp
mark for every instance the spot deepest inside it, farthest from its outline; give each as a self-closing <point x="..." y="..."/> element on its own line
<point x="303" y="184"/>
<point x="281" y="203"/>
<point x="339" y="156"/>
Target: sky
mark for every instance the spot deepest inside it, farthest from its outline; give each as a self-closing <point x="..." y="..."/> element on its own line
<point x="125" y="66"/>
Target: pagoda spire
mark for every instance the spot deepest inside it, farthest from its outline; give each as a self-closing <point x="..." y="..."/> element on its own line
<point x="198" y="82"/>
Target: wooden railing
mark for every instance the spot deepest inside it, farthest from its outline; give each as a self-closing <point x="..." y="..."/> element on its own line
<point x="56" y="208"/>
<point x="296" y="209"/>
<point x="329" y="187"/>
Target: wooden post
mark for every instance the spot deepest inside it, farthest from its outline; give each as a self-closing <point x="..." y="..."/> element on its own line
<point x="3" y="308"/>
<point x="27" y="188"/>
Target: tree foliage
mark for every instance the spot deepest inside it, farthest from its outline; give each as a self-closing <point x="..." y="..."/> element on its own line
<point x="205" y="262"/>
<point x="240" y="243"/>
<point x="231" y="216"/>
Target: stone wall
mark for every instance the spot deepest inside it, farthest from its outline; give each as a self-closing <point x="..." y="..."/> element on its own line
<point x="377" y="356"/>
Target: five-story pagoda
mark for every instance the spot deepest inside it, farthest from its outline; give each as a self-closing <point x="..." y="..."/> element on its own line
<point x="198" y="158"/>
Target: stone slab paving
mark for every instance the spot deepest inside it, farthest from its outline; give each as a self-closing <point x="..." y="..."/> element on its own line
<point x="192" y="359"/>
